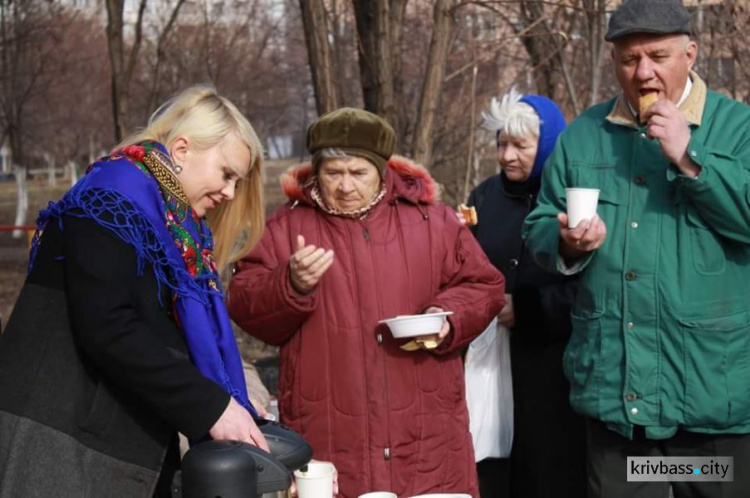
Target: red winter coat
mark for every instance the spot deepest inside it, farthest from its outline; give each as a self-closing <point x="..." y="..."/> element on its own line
<point x="388" y="419"/>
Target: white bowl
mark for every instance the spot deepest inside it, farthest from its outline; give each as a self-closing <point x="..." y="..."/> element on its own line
<point x="416" y="325"/>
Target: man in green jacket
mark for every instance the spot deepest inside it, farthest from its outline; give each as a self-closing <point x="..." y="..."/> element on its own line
<point x="659" y="359"/>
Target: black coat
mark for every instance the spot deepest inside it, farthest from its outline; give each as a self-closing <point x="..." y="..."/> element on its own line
<point x="95" y="379"/>
<point x="548" y="437"/>
<point x="541" y="300"/>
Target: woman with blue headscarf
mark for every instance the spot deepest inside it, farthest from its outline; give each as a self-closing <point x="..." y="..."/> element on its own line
<point x="548" y="453"/>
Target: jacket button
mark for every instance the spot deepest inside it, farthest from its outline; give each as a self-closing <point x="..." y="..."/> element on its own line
<point x="639" y="180"/>
<point x="634" y="411"/>
<point x="630" y="276"/>
<point x="631" y="325"/>
<point x="379" y="338"/>
<point x="513" y="263"/>
<point x="634" y="224"/>
<point x="631" y="397"/>
<point x="387" y="453"/>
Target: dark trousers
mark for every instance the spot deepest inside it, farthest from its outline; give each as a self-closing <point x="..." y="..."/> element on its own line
<point x="608" y="453"/>
<point x="494" y="477"/>
<point x="548" y="458"/>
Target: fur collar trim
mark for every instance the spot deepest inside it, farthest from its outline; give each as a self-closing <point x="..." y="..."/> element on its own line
<point x="404" y="178"/>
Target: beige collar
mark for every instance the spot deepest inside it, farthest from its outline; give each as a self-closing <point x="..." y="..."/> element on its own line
<point x="691" y="107"/>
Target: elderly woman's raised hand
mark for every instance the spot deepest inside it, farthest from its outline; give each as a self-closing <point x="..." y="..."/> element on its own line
<point x="307" y="265"/>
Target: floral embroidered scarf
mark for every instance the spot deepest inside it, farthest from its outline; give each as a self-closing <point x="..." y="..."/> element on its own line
<point x="134" y="194"/>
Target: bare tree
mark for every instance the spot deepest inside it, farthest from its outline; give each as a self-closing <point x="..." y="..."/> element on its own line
<point x="315" y="23"/>
<point x="376" y="56"/>
<point x="122" y="64"/>
<point x="596" y="25"/>
<point x="160" y="41"/>
<point x="406" y="95"/>
<point x="433" y="82"/>
<point x="29" y="33"/>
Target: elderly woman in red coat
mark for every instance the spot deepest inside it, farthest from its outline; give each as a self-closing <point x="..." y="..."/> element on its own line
<point x="362" y="239"/>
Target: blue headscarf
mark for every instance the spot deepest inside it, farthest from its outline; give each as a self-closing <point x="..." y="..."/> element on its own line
<point x="551" y="124"/>
<point x="134" y="194"/>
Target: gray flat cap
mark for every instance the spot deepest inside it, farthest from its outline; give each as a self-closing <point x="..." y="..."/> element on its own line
<point x="659" y="17"/>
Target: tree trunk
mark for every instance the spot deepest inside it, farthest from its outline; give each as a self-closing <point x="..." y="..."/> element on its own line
<point x="403" y="108"/>
<point x="22" y="196"/>
<point x="319" y="55"/>
<point x="122" y="70"/>
<point x="596" y="18"/>
<point x="433" y="83"/>
<point x="470" y="159"/>
<point x="538" y="47"/>
<point x="116" y="58"/>
<point x="13" y="49"/>
<point x="154" y="98"/>
<point x="376" y="58"/>
<point x="51" y="173"/>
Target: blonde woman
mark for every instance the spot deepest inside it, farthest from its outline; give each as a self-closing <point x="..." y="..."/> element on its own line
<point x="120" y="337"/>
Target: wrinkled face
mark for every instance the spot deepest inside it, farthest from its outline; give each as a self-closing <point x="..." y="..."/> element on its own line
<point x="348" y="183"/>
<point x="210" y="176"/>
<point x="516" y="156"/>
<point x="653" y="64"/>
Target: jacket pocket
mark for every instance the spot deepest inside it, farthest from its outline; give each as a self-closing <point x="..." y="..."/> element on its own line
<point x="708" y="253"/>
<point x="612" y="189"/>
<point x="581" y="361"/>
<point x="717" y="370"/>
<point x="101" y="411"/>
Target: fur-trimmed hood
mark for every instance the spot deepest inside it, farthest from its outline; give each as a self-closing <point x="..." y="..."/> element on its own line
<point x="404" y="179"/>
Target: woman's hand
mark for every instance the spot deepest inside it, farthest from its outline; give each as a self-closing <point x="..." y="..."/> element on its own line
<point x="507" y="316"/>
<point x="236" y="424"/>
<point x="307" y="265"/>
<point x="431" y="341"/>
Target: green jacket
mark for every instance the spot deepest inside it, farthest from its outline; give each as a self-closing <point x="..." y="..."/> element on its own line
<point x="661" y="325"/>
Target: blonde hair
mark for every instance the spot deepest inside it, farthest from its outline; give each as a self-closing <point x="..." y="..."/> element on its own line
<point x="206" y="118"/>
<point x="511" y="117"/>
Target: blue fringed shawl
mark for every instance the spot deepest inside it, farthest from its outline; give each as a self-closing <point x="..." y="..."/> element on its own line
<point x="134" y="194"/>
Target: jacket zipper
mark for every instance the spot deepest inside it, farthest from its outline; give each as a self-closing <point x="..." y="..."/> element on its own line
<point x="379" y="338"/>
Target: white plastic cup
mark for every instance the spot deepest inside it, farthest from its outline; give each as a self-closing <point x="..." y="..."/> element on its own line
<point x="378" y="494"/>
<point x="317" y="482"/>
<point x="582" y="204"/>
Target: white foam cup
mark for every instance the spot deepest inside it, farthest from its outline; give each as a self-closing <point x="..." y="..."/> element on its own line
<point x="582" y="204"/>
<point x="316" y="482"/>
